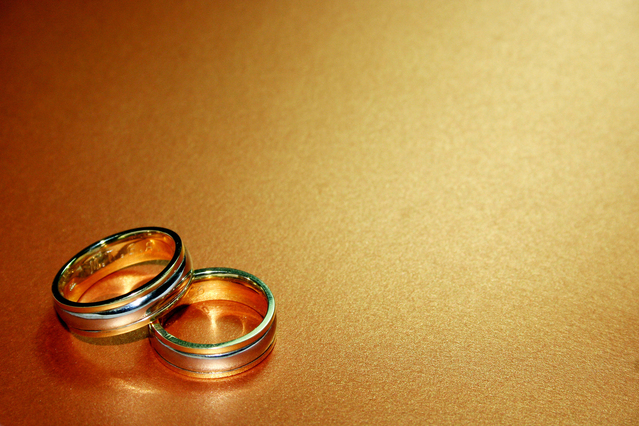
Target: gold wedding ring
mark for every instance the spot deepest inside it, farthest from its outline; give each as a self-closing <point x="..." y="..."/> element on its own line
<point x="123" y="282"/>
<point x="223" y="325"/>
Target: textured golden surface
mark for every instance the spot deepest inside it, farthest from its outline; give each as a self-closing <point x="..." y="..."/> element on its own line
<point x="443" y="197"/>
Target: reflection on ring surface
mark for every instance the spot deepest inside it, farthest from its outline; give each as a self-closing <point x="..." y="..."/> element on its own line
<point x="211" y="321"/>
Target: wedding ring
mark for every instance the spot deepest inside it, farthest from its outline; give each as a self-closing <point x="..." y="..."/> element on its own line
<point x="121" y="283"/>
<point x="223" y="325"/>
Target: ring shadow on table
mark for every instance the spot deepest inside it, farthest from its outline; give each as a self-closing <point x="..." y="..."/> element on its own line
<point x="126" y="363"/>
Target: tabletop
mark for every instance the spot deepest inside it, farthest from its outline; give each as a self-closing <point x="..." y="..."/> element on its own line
<point x="442" y="196"/>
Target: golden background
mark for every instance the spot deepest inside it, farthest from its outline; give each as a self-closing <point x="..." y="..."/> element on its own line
<point x="442" y="195"/>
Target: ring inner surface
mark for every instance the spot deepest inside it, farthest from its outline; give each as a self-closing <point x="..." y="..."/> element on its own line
<point x="216" y="310"/>
<point x="117" y="268"/>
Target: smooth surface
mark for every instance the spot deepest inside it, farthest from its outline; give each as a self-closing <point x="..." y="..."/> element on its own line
<point x="443" y="196"/>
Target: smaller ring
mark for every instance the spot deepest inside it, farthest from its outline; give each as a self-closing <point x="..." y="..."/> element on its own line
<point x="205" y="359"/>
<point x="121" y="283"/>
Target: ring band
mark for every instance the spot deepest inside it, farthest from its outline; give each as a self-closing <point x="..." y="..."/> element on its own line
<point x="228" y="357"/>
<point x="121" y="283"/>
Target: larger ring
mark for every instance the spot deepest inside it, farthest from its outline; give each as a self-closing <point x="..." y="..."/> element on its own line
<point x="121" y="283"/>
<point x="225" y="358"/>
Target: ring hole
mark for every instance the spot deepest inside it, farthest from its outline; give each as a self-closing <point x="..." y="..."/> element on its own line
<point x="211" y="321"/>
<point x="121" y="282"/>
